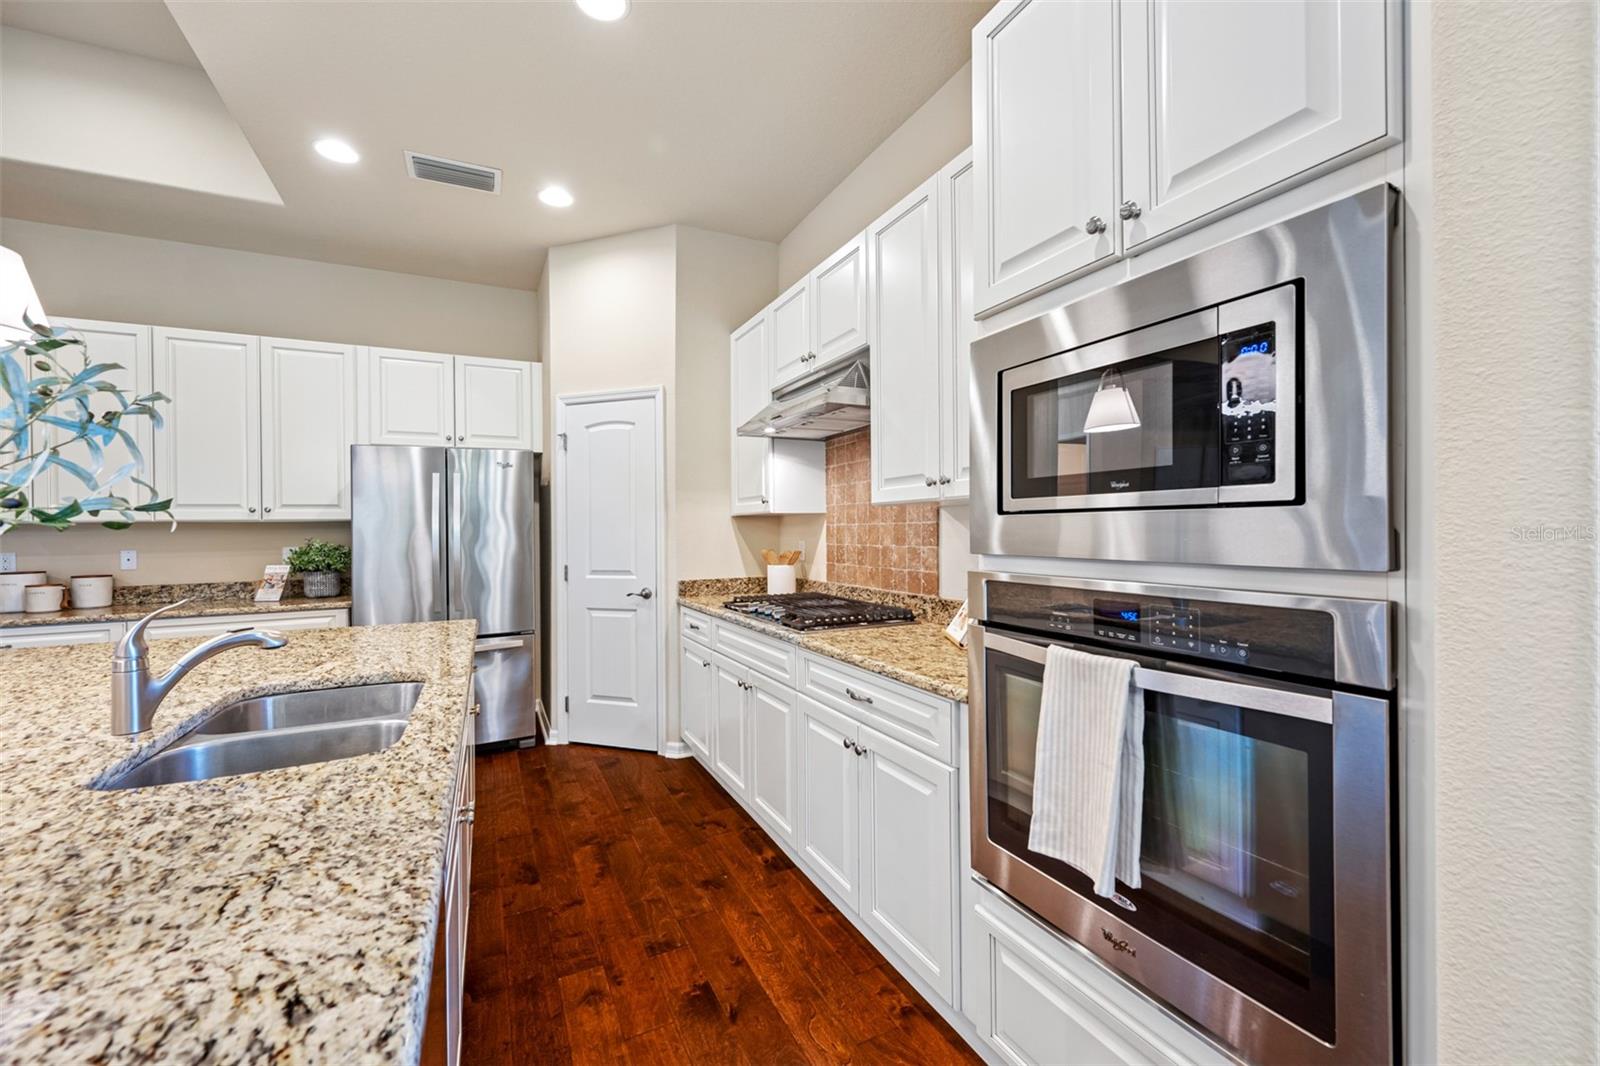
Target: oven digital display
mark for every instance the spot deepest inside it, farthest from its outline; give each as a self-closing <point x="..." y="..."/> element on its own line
<point x="1118" y="616"/>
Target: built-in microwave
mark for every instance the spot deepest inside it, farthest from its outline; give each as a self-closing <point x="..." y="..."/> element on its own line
<point x="1232" y="408"/>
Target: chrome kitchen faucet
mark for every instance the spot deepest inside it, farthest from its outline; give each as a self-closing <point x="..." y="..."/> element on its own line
<point x="135" y="695"/>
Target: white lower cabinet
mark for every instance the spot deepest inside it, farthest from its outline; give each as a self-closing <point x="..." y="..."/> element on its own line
<point x="772" y="763"/>
<point x="729" y="722"/>
<point x="441" y="1036"/>
<point x="908" y="860"/>
<point x="217" y="624"/>
<point x="55" y="636"/>
<point x="830" y="822"/>
<point x="695" y="699"/>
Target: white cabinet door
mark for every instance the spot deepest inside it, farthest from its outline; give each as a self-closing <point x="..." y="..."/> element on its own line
<point x="729" y="749"/>
<point x="772" y="756"/>
<point x="208" y="453"/>
<point x="308" y="422"/>
<point x="957" y="329"/>
<point x="751" y="369"/>
<point x="839" y="303"/>
<point x="695" y="699"/>
<point x="1225" y="98"/>
<point x="410" y="397"/>
<point x="792" y="349"/>
<point x="829" y="829"/>
<point x="497" y="404"/>
<point x="908" y="824"/>
<point x="903" y="271"/>
<point x="1044" y="143"/>
<point x="56" y="636"/>
<point x="128" y="346"/>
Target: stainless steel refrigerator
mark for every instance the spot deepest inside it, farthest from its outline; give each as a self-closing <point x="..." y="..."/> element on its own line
<point x="440" y="533"/>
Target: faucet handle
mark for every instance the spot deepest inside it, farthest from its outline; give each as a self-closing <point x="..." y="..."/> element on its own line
<point x="132" y="646"/>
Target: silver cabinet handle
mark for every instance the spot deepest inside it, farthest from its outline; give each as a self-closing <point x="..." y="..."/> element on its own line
<point x="252" y="510"/>
<point x="694" y="627"/>
<point x="1096" y="224"/>
<point x="468" y="813"/>
<point x="1129" y="211"/>
<point x="943" y="480"/>
<point x="763" y="501"/>
<point x="706" y="664"/>
<point x="857" y="748"/>
<point x="858" y="697"/>
<point x="847" y="742"/>
<point x="643" y="594"/>
<point x="266" y="510"/>
<point x="926" y="480"/>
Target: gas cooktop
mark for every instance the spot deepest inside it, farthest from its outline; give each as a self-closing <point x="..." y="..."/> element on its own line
<point x="813" y="610"/>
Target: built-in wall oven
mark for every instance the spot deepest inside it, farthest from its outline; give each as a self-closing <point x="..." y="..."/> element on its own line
<point x="1232" y="408"/>
<point x="1264" y="911"/>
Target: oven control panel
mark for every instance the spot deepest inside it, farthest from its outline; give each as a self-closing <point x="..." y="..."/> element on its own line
<point x="1244" y="634"/>
<point x="1249" y="404"/>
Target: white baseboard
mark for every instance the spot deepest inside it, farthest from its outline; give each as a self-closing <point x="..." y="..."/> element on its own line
<point x="676" y="749"/>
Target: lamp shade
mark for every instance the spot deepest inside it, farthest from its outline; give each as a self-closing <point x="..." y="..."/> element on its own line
<point x="17" y="298"/>
<point x="1111" y="409"/>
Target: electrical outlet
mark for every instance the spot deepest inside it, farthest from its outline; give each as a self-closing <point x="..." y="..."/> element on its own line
<point x="802" y="547"/>
<point x="287" y="548"/>
<point x="8" y="562"/>
<point x="130" y="559"/>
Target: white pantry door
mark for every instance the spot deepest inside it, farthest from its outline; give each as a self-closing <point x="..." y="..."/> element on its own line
<point x="613" y="527"/>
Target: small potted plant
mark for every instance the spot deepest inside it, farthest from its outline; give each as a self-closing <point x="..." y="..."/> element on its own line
<point x="319" y="564"/>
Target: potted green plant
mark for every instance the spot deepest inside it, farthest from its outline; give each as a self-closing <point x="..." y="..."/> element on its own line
<point x="319" y="564"/>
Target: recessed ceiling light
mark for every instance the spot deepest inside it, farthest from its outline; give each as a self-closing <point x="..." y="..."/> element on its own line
<point x="604" y="10"/>
<point x="555" y="196"/>
<point x="336" y="150"/>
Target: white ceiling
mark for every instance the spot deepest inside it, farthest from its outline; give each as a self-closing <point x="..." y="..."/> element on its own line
<point x="736" y="117"/>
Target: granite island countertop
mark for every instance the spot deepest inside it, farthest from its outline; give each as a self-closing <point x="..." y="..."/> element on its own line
<point x="132" y="612"/>
<point x="916" y="653"/>
<point x="285" y="916"/>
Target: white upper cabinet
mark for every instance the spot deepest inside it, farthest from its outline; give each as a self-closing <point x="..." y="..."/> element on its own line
<point x="839" y="302"/>
<point x="497" y="403"/>
<point x="410" y="396"/>
<point x="791" y="350"/>
<point x="956" y="326"/>
<point x="750" y="373"/>
<point x="903" y="275"/>
<point x="1044" y="143"/>
<point x="308" y="422"/>
<point x="208" y="452"/>
<point x="128" y="346"/>
<point x="1222" y="100"/>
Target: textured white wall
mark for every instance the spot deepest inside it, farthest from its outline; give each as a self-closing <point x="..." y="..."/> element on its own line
<point x="1514" y="420"/>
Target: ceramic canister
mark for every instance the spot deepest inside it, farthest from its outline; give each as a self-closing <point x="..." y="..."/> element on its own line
<point x="11" y="586"/>
<point x="90" y="590"/>
<point x="41" y="599"/>
<point x="780" y="580"/>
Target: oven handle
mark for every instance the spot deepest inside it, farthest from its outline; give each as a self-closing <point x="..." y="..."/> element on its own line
<point x="1255" y="697"/>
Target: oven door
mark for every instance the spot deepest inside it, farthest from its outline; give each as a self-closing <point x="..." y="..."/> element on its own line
<point x="1264" y="908"/>
<point x="1195" y="411"/>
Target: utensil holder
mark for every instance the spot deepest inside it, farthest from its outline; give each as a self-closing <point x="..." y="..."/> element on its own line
<point x="780" y="580"/>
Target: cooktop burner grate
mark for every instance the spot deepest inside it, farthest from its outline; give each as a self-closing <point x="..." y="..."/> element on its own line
<point x="814" y="610"/>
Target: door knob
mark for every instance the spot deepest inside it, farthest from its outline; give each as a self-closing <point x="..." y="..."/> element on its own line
<point x="1129" y="211"/>
<point x="1096" y="224"/>
<point x="643" y="594"/>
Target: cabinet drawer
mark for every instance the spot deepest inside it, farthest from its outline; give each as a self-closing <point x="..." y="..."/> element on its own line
<point x="214" y="625"/>
<point x="775" y="658"/>
<point x="924" y="722"/>
<point x="53" y="636"/>
<point x="696" y="627"/>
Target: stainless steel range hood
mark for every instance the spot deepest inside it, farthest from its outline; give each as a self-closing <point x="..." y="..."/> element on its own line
<point x="823" y="404"/>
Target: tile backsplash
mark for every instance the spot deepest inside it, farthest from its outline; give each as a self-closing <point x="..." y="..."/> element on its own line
<point x="893" y="546"/>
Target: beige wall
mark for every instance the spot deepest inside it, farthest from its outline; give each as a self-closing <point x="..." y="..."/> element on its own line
<point x="1513" y="530"/>
<point x="91" y="274"/>
<point x="721" y="282"/>
<point x="936" y="133"/>
<point x="83" y="273"/>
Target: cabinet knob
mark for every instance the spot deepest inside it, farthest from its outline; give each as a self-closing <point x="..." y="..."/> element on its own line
<point x="945" y="480"/>
<point x="847" y="742"/>
<point x="266" y="510"/>
<point x="1129" y="211"/>
<point x="763" y="501"/>
<point x="928" y="481"/>
<point x="1096" y="224"/>
<point x="252" y="510"/>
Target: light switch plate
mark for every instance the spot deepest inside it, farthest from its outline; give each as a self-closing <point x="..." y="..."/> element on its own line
<point x="8" y="562"/>
<point x="130" y="559"/>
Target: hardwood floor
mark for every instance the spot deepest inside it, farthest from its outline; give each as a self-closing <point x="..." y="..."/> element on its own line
<point x="624" y="909"/>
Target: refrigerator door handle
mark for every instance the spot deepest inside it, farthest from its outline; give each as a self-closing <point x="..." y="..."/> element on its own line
<point x="436" y="539"/>
<point x="498" y="644"/>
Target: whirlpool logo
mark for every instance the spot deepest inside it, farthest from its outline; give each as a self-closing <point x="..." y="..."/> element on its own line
<point x="1120" y="485"/>
<point x="1118" y="944"/>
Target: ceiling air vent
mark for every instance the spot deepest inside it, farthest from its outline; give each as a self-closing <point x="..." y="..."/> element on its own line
<point x="453" y="172"/>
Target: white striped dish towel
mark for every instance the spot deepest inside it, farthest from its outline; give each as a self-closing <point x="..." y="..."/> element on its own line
<point x="1088" y="775"/>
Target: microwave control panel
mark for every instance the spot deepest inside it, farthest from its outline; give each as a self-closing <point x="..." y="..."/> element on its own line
<point x="1249" y="404"/>
<point x="1247" y="635"/>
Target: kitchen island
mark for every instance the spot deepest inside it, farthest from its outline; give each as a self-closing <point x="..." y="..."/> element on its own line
<point x="287" y="916"/>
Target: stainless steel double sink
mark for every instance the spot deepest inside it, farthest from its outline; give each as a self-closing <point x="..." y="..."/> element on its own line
<point x="280" y="730"/>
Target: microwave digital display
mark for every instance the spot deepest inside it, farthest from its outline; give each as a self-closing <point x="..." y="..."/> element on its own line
<point x="1119" y="618"/>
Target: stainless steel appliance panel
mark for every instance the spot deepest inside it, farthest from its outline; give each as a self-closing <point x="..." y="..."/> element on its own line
<point x="398" y="534"/>
<point x="506" y="686"/>
<point x="1340" y="256"/>
<point x="494" y="538"/>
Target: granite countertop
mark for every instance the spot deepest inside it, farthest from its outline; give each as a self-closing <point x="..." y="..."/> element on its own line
<point x="132" y="612"/>
<point x="285" y="916"/>
<point x="916" y="654"/>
